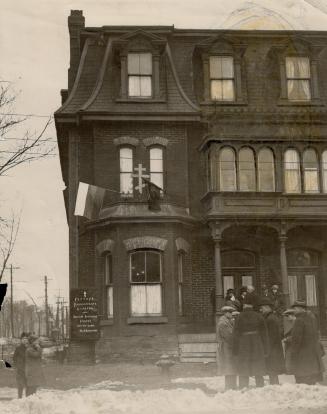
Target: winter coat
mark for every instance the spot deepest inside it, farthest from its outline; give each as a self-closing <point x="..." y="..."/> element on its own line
<point x="287" y="351"/>
<point x="277" y="300"/>
<point x="253" y="299"/>
<point x="250" y="343"/>
<point x="305" y="347"/>
<point x="275" y="362"/>
<point x="34" y="371"/>
<point x="226" y="363"/>
<point x="19" y="363"/>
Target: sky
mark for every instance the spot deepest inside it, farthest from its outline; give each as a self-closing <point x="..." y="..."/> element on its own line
<point x="34" y="50"/>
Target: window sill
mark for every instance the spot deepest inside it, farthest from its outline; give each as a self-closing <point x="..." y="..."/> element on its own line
<point x="140" y="100"/>
<point x="147" y="319"/>
<point x="224" y="103"/>
<point x="107" y="322"/>
<point x="313" y="102"/>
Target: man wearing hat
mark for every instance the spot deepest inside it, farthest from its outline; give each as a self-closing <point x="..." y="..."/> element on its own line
<point x="306" y="362"/>
<point x="277" y="300"/>
<point x="250" y="345"/>
<point x="226" y="363"/>
<point x="19" y="359"/>
<point x="275" y="363"/>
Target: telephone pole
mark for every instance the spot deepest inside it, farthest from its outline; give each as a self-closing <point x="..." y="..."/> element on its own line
<point x="46" y="305"/>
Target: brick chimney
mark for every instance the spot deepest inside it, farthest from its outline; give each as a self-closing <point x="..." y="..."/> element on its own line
<point x="76" y="23"/>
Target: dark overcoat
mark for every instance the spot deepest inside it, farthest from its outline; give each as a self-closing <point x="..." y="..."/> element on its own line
<point x="305" y="348"/>
<point x="250" y="343"/>
<point x="226" y="360"/>
<point x="19" y="363"/>
<point x="34" y="371"/>
<point x="275" y="362"/>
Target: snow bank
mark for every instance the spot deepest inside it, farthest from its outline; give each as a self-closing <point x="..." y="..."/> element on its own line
<point x="288" y="398"/>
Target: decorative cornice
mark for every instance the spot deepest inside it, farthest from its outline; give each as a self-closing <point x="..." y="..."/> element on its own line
<point x="145" y="242"/>
<point x="148" y="142"/>
<point x="126" y="141"/>
<point x="104" y="246"/>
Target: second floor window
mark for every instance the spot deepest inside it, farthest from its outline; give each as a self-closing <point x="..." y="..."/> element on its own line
<point x="108" y="286"/>
<point x="292" y="171"/>
<point x="246" y="167"/>
<point x="156" y="166"/>
<point x="139" y="67"/>
<point x="310" y="171"/>
<point x="298" y="78"/>
<point x="266" y="170"/>
<point x="222" y="78"/>
<point x="227" y="170"/>
<point x="126" y="171"/>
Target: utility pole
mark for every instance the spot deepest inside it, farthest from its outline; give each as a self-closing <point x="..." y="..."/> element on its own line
<point x="63" y="319"/>
<point x="67" y="322"/>
<point x="46" y="305"/>
<point x="11" y="303"/>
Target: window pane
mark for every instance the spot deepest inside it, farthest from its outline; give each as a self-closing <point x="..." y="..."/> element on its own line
<point x="227" y="170"/>
<point x="110" y="305"/>
<point x="180" y="268"/>
<point x="227" y="67"/>
<point x="145" y="63"/>
<point x="324" y="170"/>
<point x="217" y="90"/>
<point x="228" y="283"/>
<point x="247" y="170"/>
<point x="221" y="67"/>
<point x="310" y="165"/>
<point x="298" y="90"/>
<point x="266" y="170"/>
<point x="157" y="179"/>
<point x="138" y="299"/>
<point x="247" y="281"/>
<point x="292" y="284"/>
<point x="138" y="267"/>
<point x="145" y="86"/>
<point x="228" y="90"/>
<point x="215" y="67"/>
<point x="153" y="267"/>
<point x="133" y="63"/>
<point x="126" y="159"/>
<point x="292" y="172"/>
<point x="153" y="300"/>
<point x="310" y="287"/>
<point x="156" y="162"/>
<point x="107" y="270"/>
<point x="134" y="86"/>
<point x="297" y="67"/>
<point x="126" y="183"/>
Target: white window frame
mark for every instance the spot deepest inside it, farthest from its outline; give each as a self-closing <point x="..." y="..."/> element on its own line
<point x="124" y="173"/>
<point x="140" y="76"/>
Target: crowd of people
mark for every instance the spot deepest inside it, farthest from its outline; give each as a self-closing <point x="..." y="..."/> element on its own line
<point x="28" y="363"/>
<point x="257" y="336"/>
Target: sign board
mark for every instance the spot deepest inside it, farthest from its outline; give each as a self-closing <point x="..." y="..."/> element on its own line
<point x="84" y="314"/>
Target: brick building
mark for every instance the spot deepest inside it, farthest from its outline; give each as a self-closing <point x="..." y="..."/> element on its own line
<point x="232" y="125"/>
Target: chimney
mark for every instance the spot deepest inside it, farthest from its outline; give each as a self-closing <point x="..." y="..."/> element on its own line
<point x="76" y="23"/>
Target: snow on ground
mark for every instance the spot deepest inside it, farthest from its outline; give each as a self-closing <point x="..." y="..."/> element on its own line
<point x="103" y="399"/>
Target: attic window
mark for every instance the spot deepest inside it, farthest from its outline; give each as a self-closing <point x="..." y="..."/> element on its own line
<point x="139" y="67"/>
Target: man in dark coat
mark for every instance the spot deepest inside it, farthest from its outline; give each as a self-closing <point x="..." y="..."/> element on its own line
<point x="34" y="371"/>
<point x="277" y="299"/>
<point x="250" y="346"/>
<point x="306" y="362"/>
<point x="252" y="297"/>
<point x="275" y="362"/>
<point x="19" y="359"/>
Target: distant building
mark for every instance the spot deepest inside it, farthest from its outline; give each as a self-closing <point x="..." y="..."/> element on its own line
<point x="232" y="125"/>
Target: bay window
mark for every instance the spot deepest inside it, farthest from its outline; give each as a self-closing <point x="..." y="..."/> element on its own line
<point x="227" y="169"/>
<point x="310" y="171"/>
<point x="266" y="170"/>
<point x="292" y="177"/>
<point x="247" y="181"/>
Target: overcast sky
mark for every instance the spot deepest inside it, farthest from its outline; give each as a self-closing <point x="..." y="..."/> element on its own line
<point x="34" y="57"/>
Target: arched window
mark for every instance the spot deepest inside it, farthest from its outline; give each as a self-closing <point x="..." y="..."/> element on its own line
<point x="310" y="171"/>
<point x="156" y="166"/>
<point x="126" y="170"/>
<point x="292" y="175"/>
<point x="227" y="170"/>
<point x="108" y="285"/>
<point x="246" y="170"/>
<point x="145" y="280"/>
<point x="324" y="170"/>
<point x="266" y="170"/>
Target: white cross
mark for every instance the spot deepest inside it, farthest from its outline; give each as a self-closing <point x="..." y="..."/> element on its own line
<point x="139" y="175"/>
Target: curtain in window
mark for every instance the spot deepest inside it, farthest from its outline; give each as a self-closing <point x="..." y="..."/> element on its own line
<point x="292" y="286"/>
<point x="126" y="170"/>
<point x="246" y="169"/>
<point x="298" y="78"/>
<point x="292" y="172"/>
<point x="222" y="78"/>
<point x="310" y="167"/>
<point x="146" y="300"/>
<point x="324" y="170"/>
<point x="310" y="286"/>
<point x="266" y="170"/>
<point x="156" y="166"/>
<point x="227" y="170"/>
<point x="228" y="283"/>
<point x="139" y="74"/>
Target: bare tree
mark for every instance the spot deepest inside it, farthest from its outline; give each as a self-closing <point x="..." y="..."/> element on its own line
<point x="8" y="235"/>
<point x="18" y="150"/>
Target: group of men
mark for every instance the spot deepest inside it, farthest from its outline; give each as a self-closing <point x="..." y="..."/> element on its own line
<point x="250" y="339"/>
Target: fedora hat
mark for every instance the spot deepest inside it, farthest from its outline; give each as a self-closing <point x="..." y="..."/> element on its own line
<point x="299" y="304"/>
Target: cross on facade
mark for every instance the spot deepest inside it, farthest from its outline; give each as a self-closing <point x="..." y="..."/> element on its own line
<point x="139" y="175"/>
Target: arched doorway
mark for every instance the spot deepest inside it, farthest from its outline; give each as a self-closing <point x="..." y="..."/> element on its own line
<point x="238" y="269"/>
<point x="303" y="272"/>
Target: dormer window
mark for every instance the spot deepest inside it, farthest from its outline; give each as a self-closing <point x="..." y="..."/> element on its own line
<point x="222" y="78"/>
<point x="139" y="67"/>
<point x="298" y="78"/>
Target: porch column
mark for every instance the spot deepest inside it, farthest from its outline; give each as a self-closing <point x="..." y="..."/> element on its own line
<point x="218" y="274"/>
<point x="283" y="268"/>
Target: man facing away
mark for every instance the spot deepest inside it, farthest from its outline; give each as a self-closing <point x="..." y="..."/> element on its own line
<point x="250" y="345"/>
<point x="20" y="364"/>
<point x="275" y="363"/>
